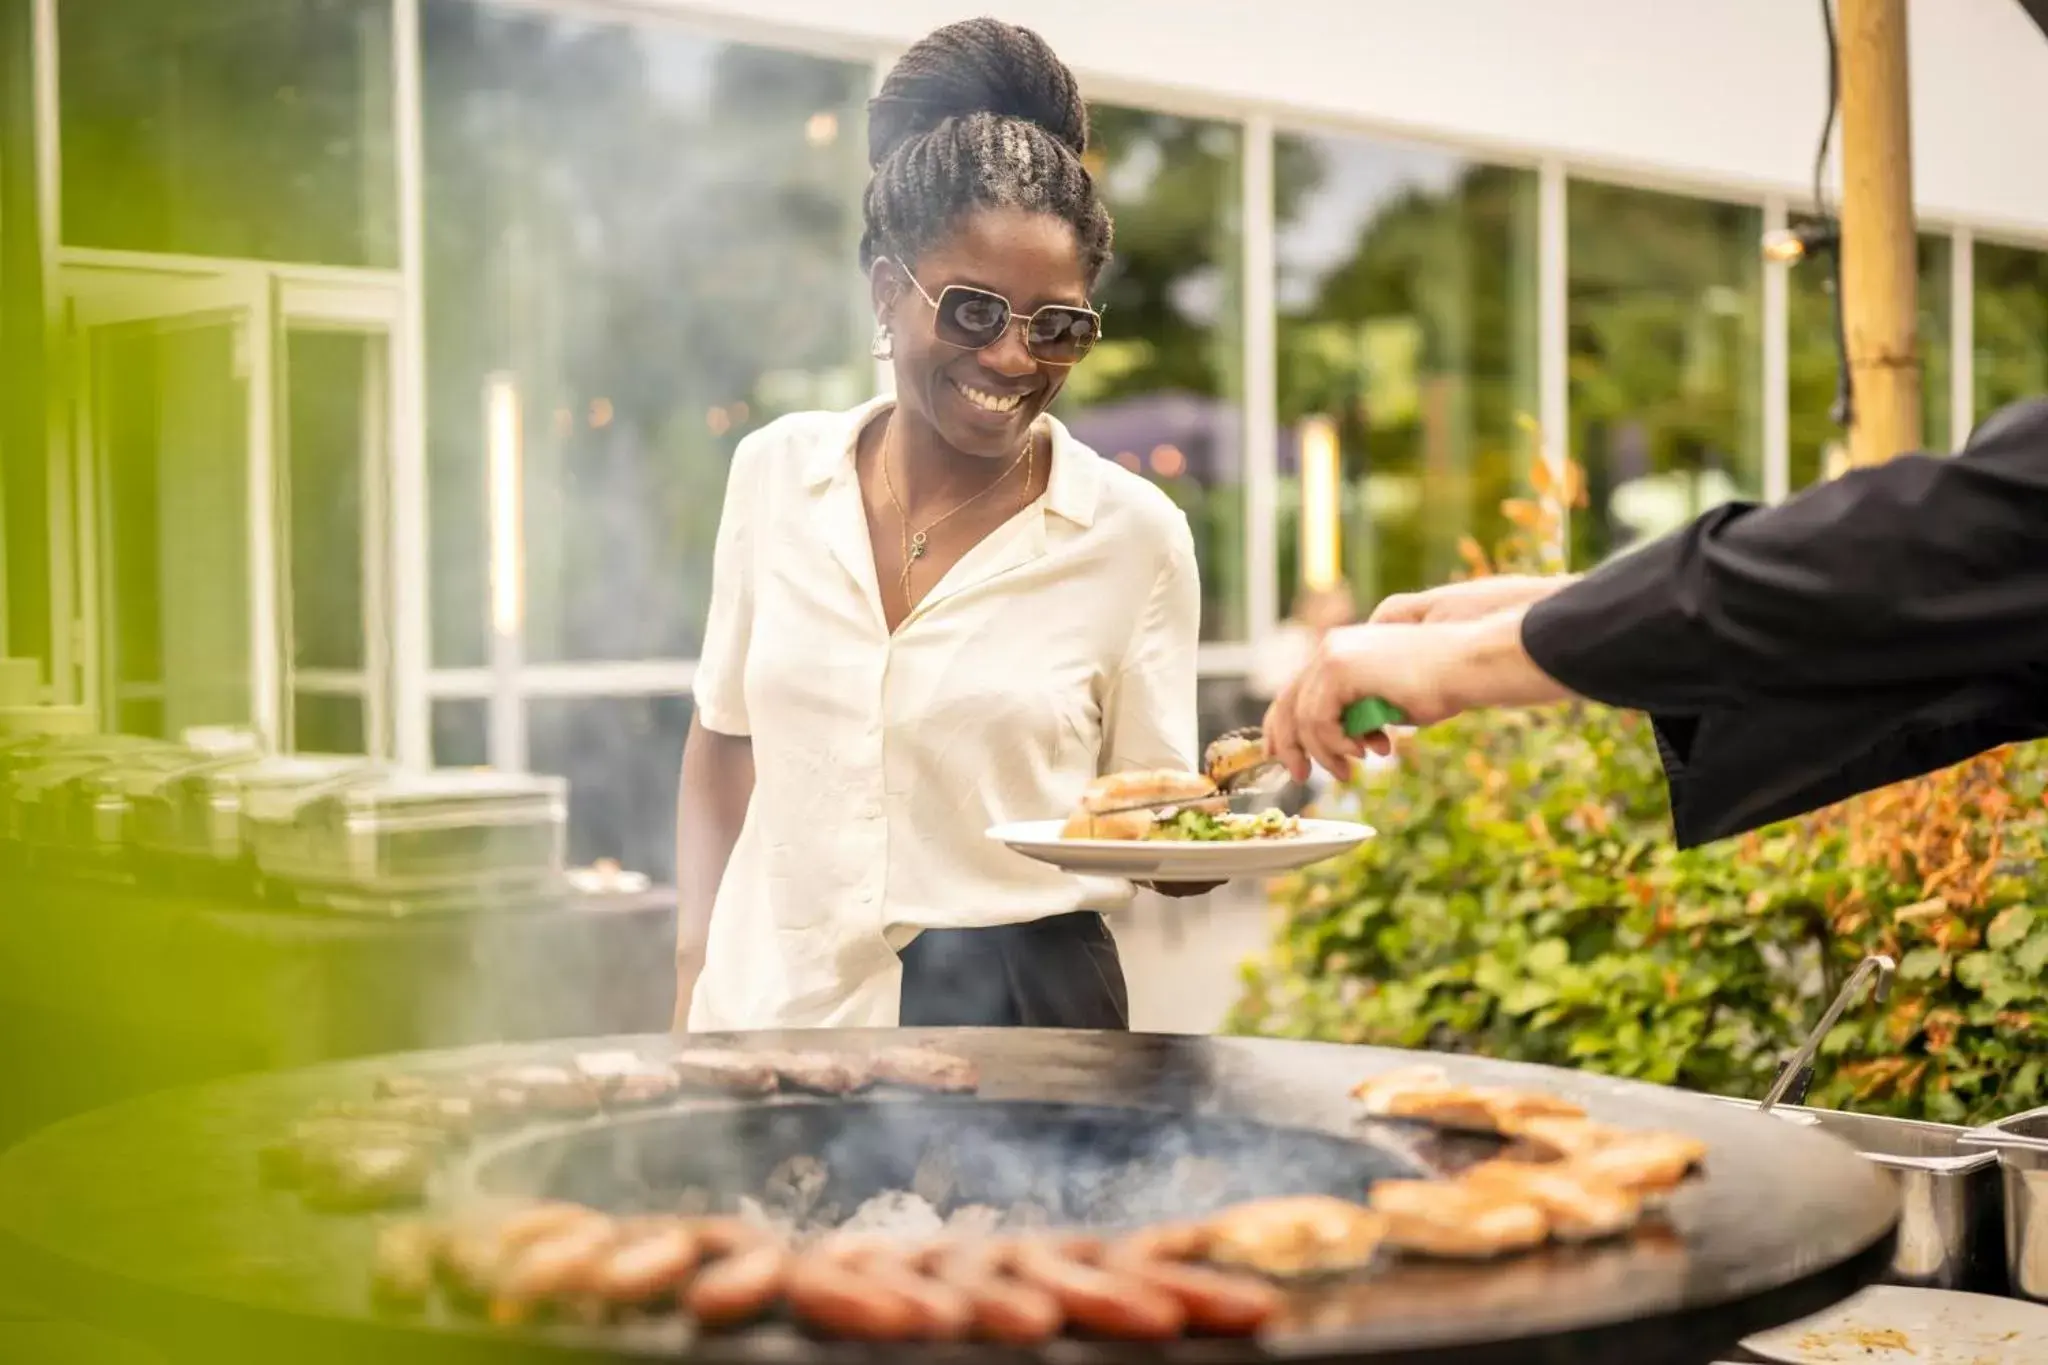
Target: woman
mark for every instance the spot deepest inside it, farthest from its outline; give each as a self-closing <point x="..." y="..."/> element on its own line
<point x="935" y="613"/>
<point x="1877" y="627"/>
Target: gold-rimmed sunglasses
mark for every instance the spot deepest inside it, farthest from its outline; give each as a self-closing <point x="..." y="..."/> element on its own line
<point x="975" y="319"/>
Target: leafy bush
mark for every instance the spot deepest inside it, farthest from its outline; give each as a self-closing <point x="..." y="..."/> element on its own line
<point x="1524" y="900"/>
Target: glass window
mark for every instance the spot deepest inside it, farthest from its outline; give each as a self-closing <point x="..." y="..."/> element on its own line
<point x="247" y="128"/>
<point x="461" y="733"/>
<point x="1163" y="393"/>
<point x="334" y="416"/>
<point x="655" y="234"/>
<point x="2011" y="325"/>
<point x="1664" y="297"/>
<point x="623" y="757"/>
<point x="1407" y="323"/>
<point x="328" y="723"/>
<point x="1816" y="443"/>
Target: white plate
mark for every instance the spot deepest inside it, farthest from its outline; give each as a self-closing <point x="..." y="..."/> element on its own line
<point x="1893" y="1325"/>
<point x="1172" y="860"/>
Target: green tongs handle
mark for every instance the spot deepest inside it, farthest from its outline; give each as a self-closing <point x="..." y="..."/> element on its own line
<point x="1369" y="715"/>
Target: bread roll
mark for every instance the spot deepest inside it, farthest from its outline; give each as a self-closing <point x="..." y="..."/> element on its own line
<point x="1129" y="824"/>
<point x="1113" y="791"/>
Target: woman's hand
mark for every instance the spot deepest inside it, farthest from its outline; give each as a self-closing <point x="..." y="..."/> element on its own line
<point x="1180" y="890"/>
<point x="1430" y="671"/>
<point x="1468" y="601"/>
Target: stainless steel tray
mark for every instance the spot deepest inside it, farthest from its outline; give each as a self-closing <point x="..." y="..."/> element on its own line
<point x="1951" y="1219"/>
<point x="2020" y="1146"/>
<point x="424" y="834"/>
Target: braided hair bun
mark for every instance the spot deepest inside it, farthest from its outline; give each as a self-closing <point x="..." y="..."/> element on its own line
<point x="977" y="114"/>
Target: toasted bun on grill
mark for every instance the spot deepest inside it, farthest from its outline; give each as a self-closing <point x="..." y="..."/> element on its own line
<point x="1112" y="791"/>
<point x="1233" y="753"/>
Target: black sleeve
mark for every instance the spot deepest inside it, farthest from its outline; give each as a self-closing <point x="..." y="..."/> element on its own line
<point x="1877" y="627"/>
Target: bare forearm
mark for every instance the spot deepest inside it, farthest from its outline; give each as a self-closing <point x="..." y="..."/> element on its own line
<point x="1492" y="667"/>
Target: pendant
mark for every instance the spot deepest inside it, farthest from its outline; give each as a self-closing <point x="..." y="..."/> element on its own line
<point x="917" y="545"/>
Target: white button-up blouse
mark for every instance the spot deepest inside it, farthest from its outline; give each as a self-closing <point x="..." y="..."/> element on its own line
<point x="1059" y="648"/>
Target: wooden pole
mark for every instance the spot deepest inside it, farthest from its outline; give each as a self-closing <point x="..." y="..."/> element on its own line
<point x="1879" y="262"/>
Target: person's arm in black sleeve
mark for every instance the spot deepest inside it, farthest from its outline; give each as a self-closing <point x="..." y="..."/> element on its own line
<point x="1879" y="626"/>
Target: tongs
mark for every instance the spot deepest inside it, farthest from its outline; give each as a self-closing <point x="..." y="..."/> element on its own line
<point x="1366" y="716"/>
<point x="1799" y="1070"/>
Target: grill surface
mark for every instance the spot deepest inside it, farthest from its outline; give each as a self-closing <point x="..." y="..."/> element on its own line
<point x="150" y="1218"/>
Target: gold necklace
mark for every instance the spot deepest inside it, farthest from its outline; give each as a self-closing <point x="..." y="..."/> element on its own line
<point x="916" y="543"/>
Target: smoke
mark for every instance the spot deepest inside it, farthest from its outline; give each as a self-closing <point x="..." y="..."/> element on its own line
<point x="905" y="1166"/>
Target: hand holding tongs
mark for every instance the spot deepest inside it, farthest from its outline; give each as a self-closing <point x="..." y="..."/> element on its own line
<point x="1363" y="717"/>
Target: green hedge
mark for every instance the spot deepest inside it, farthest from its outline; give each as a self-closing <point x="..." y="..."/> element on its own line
<point x="1524" y="900"/>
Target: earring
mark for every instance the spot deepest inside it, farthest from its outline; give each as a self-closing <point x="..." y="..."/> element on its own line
<point x="884" y="345"/>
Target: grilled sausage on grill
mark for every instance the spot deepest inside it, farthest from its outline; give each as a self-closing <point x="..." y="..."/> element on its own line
<point x="720" y="1071"/>
<point x="554" y="1090"/>
<point x="739" y="1288"/>
<point x="626" y="1078"/>
<point x="821" y="1073"/>
<point x="1100" y="1301"/>
<point x="921" y="1068"/>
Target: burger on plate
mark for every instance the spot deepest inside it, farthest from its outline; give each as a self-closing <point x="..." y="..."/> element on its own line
<point x="1122" y="805"/>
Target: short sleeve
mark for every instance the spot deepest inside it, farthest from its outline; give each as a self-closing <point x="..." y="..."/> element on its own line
<point x="720" y="684"/>
<point x="1150" y="718"/>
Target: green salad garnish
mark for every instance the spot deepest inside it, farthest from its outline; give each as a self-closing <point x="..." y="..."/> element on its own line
<point x="1204" y="827"/>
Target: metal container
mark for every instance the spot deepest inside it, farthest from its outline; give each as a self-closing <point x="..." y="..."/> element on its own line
<point x="191" y="808"/>
<point x="413" y="836"/>
<point x="2020" y="1146"/>
<point x="53" y="804"/>
<point x="1951" y="1221"/>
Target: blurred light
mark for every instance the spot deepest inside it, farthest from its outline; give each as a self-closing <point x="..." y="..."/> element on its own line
<point x="502" y="445"/>
<point x="1129" y="460"/>
<point x="822" y="128"/>
<point x="1168" y="462"/>
<point x="565" y="421"/>
<point x="1094" y="162"/>
<point x="1321" y="503"/>
<point x="600" y="412"/>
<point x="740" y="411"/>
<point x="719" y="421"/>
<point x="1789" y="246"/>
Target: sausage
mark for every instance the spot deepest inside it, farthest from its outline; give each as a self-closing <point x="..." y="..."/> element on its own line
<point x="727" y="1236"/>
<point x="847" y="1303"/>
<point x="821" y="1073"/>
<point x="1103" y="1302"/>
<point x="719" y="1071"/>
<point x="1163" y="1242"/>
<point x="923" y="1068"/>
<point x="553" y="1267"/>
<point x="643" y="1266"/>
<point x="737" y="1289"/>
<point x="1006" y="1310"/>
<point x="1214" y="1300"/>
<point x="946" y="1313"/>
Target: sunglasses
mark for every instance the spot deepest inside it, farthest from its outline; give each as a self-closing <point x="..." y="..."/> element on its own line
<point x="975" y="319"/>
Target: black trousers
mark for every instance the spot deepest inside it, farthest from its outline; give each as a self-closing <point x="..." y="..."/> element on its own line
<point x="1061" y="972"/>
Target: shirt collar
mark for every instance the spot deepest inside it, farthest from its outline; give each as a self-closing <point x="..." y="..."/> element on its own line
<point x="1071" y="493"/>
